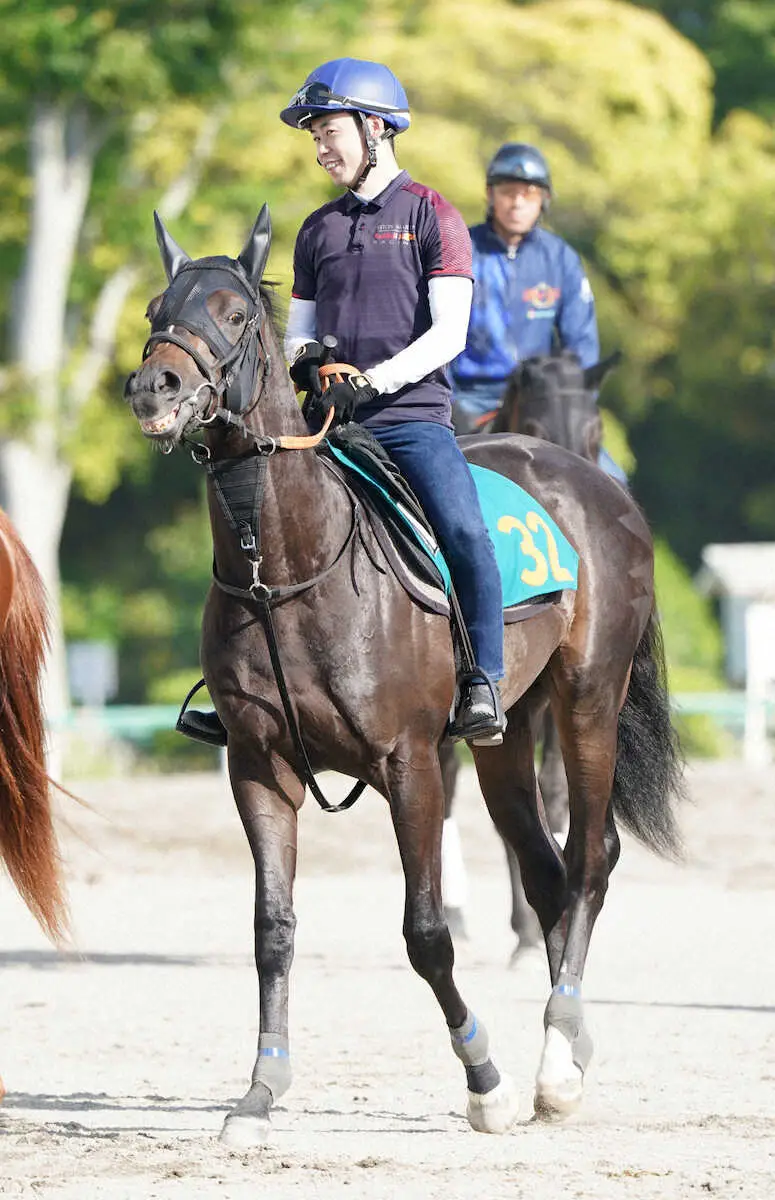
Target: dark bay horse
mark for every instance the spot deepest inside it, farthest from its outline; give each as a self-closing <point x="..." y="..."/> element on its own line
<point x="554" y="398"/>
<point x="28" y="848"/>
<point x="367" y="677"/>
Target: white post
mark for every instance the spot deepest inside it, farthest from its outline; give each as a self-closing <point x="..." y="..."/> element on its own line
<point x="759" y="679"/>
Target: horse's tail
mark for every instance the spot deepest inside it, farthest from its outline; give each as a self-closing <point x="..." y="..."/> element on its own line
<point x="649" y="765"/>
<point x="28" y="846"/>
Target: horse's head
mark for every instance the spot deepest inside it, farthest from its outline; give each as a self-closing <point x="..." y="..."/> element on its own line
<point x="203" y="355"/>
<point x="554" y="398"/>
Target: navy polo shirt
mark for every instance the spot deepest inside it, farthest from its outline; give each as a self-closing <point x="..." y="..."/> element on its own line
<point x="367" y="265"/>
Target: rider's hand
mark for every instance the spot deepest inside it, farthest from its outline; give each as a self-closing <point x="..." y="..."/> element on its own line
<point x="304" y="369"/>
<point x="345" y="397"/>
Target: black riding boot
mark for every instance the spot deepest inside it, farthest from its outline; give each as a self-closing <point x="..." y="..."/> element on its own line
<point x="479" y="716"/>
<point x="204" y="727"/>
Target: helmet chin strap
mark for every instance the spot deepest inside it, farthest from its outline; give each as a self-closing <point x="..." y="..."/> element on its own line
<point x="370" y="142"/>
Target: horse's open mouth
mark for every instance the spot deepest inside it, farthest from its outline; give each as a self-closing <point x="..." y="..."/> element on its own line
<point x="162" y="426"/>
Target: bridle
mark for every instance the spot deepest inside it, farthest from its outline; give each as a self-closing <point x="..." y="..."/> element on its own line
<point x="239" y="483"/>
<point x="235" y="380"/>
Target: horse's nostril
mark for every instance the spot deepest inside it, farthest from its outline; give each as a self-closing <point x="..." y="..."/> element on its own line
<point x="129" y="386"/>
<point x="167" y="381"/>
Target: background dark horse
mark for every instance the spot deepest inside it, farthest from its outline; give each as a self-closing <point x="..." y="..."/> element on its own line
<point x="371" y="678"/>
<point x="554" y="398"/>
<point x="28" y="848"/>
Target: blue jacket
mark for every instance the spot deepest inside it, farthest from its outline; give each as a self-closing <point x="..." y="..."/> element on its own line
<point x="519" y="301"/>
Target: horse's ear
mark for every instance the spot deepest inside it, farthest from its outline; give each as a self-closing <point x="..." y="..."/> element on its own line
<point x="171" y="254"/>
<point x="594" y="376"/>
<point x="255" y="252"/>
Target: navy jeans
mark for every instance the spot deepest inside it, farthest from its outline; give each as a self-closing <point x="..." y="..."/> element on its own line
<point x="429" y="458"/>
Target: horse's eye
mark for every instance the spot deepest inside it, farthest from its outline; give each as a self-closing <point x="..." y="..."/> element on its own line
<point x="237" y="318"/>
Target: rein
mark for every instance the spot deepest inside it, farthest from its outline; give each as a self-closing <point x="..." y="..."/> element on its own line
<point x="240" y="498"/>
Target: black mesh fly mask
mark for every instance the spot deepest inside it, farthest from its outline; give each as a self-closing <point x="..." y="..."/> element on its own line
<point x="232" y="377"/>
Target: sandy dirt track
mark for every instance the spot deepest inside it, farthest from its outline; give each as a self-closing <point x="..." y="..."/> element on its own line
<point x="122" y="1057"/>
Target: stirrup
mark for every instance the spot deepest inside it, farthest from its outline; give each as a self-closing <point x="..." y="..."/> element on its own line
<point x="482" y="732"/>
<point x="204" y="727"/>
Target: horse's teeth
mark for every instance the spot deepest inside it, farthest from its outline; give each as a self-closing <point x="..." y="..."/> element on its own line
<point x="163" y="423"/>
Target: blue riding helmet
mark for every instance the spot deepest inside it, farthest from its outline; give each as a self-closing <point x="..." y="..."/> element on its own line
<point x="517" y="160"/>
<point x="350" y="85"/>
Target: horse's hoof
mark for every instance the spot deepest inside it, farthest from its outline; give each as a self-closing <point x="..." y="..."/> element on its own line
<point x="529" y="956"/>
<point x="559" y="1083"/>
<point x="245" y="1133"/>
<point x="495" y="1111"/>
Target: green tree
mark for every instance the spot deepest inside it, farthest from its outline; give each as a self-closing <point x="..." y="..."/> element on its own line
<point x="116" y="109"/>
<point x="738" y="36"/>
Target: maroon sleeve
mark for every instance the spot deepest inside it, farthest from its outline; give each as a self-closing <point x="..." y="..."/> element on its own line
<point x="445" y="241"/>
<point x="303" y="268"/>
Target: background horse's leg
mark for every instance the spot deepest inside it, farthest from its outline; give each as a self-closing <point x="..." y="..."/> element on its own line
<point x="552" y="779"/>
<point x="508" y="783"/>
<point x="268" y="809"/>
<point x="454" y="882"/>
<point x="416" y="797"/>
<point x="587" y="724"/>
<point x="524" y="921"/>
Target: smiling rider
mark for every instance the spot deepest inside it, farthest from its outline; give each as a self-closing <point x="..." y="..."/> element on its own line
<point x="386" y="268"/>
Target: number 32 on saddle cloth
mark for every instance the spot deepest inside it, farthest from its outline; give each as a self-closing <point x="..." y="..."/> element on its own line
<point x="536" y="561"/>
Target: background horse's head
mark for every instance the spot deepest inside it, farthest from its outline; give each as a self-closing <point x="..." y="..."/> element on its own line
<point x="554" y="398"/>
<point x="203" y="355"/>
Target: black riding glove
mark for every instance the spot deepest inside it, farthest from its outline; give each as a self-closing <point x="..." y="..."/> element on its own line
<point x="346" y="397"/>
<point x="304" y="369"/>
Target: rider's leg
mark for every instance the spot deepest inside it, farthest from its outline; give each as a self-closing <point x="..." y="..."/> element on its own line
<point x="473" y="402"/>
<point x="430" y="460"/>
<point x="611" y="467"/>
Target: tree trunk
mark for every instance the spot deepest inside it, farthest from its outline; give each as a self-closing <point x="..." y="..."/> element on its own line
<point x="35" y="479"/>
<point x="34" y="476"/>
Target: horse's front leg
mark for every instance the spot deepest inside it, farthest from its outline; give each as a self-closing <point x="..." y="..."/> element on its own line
<point x="268" y="804"/>
<point x="416" y="797"/>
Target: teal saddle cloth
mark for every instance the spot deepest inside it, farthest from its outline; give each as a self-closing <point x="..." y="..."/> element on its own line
<point x="533" y="555"/>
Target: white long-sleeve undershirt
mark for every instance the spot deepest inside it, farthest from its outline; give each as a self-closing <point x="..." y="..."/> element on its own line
<point x="449" y="297"/>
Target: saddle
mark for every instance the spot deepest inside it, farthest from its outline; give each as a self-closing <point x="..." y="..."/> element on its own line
<point x="393" y="512"/>
<point x="403" y="532"/>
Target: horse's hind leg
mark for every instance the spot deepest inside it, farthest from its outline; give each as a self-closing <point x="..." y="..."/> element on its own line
<point x="587" y="726"/>
<point x="268" y="809"/>
<point x="416" y="797"/>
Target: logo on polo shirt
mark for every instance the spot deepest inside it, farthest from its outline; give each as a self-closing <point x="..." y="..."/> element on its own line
<point x="543" y="298"/>
<point x="394" y="233"/>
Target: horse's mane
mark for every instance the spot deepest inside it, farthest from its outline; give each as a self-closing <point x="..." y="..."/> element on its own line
<point x="28" y="845"/>
<point x="268" y="291"/>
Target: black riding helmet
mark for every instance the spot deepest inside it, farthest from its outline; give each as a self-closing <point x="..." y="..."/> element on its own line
<point x="518" y="160"/>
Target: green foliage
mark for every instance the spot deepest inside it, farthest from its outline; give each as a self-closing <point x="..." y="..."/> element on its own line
<point x="615" y="441"/>
<point x="693" y="644"/>
<point x="738" y="37"/>
<point x="662" y="183"/>
<point x="172" y="688"/>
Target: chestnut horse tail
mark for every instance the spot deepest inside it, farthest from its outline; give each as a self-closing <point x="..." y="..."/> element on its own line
<point x="649" y="765"/>
<point x="28" y="845"/>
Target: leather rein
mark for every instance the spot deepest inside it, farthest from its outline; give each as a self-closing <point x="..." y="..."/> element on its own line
<point x="247" y="524"/>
